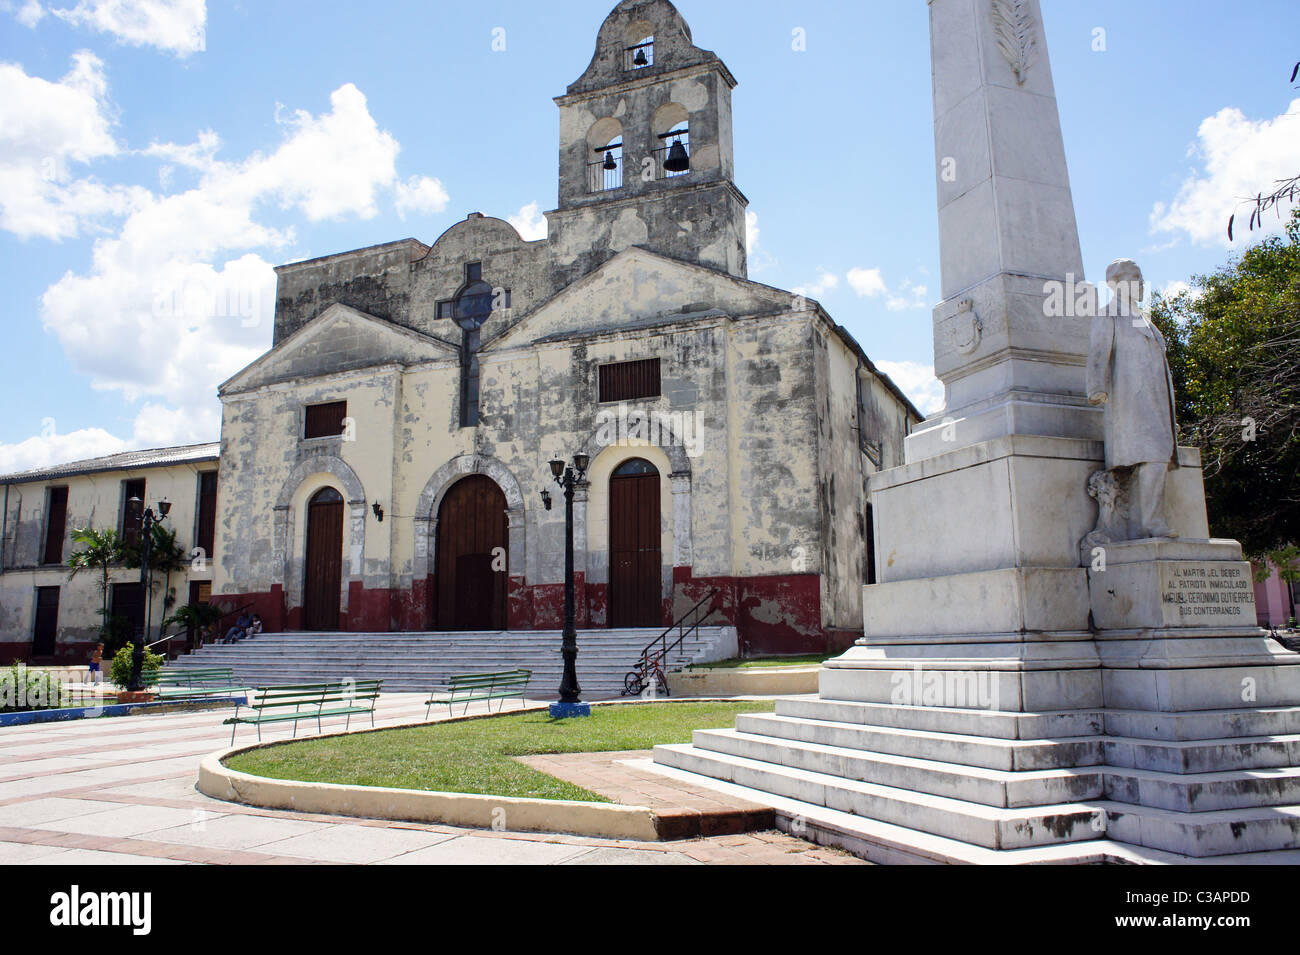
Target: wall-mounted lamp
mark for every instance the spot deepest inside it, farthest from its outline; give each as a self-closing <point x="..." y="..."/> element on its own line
<point x="546" y="499"/>
<point x="379" y="512"/>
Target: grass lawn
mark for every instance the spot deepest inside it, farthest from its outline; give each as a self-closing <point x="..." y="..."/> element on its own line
<point x="476" y="756"/>
<point x="739" y="664"/>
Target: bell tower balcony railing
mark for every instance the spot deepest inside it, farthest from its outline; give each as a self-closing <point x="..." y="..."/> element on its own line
<point x="607" y="172"/>
<point x="640" y="56"/>
<point x="669" y="166"/>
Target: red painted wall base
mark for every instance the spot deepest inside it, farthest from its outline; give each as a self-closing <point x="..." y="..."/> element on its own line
<point x="771" y="614"/>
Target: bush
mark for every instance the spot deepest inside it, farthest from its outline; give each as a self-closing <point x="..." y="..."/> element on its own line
<point x="23" y="689"/>
<point x="120" y="670"/>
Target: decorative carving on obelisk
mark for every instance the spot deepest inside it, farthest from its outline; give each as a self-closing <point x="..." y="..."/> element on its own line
<point x="1017" y="34"/>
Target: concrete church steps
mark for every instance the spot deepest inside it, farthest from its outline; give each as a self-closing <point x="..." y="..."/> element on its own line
<point x="983" y="780"/>
<point x="414" y="662"/>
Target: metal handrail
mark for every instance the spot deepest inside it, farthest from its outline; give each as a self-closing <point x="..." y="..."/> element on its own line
<point x="185" y="633"/>
<point x="682" y="631"/>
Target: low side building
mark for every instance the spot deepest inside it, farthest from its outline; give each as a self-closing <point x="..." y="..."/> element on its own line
<point x="47" y="615"/>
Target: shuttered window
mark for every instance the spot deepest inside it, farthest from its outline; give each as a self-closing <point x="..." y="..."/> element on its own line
<point x="325" y="421"/>
<point x="132" y="510"/>
<point x="207" y="529"/>
<point x="56" y="525"/>
<point x="629" y="380"/>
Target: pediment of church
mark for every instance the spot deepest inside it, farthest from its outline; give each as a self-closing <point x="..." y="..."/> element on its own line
<point x="340" y="339"/>
<point x="637" y="286"/>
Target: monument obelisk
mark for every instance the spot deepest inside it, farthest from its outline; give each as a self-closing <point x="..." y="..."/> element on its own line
<point x="978" y="534"/>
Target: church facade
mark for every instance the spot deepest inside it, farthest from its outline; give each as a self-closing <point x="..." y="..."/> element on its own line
<point x="382" y="467"/>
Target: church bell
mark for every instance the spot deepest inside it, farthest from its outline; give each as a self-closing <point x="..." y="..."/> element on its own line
<point x="609" y="162"/>
<point x="639" y="59"/>
<point x="677" y="160"/>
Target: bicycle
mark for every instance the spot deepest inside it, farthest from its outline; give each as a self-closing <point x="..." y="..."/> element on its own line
<point x="648" y="671"/>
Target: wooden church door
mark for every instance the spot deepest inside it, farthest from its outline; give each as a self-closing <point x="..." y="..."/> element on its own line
<point x="324" y="565"/>
<point x="635" y="562"/>
<point x="472" y="547"/>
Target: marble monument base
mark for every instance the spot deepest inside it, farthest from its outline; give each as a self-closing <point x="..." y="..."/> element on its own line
<point x="1171" y="736"/>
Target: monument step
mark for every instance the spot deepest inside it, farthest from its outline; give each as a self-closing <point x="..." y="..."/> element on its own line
<point x="1203" y="755"/>
<point x="989" y="787"/>
<point x="990" y="826"/>
<point x="890" y="844"/>
<point x="1200" y="834"/>
<point x="1205" y="792"/>
<point x="989" y="753"/>
<point x="999" y="724"/>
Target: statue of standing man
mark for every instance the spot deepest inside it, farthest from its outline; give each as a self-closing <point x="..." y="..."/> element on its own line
<point x="1128" y="376"/>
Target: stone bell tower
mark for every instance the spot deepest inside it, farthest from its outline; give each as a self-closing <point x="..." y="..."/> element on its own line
<point x="645" y="150"/>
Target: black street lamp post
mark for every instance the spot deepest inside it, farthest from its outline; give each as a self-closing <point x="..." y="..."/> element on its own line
<point x="147" y="521"/>
<point x="568" y="477"/>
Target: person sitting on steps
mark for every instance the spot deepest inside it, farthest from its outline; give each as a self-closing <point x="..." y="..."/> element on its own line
<point x="240" y="630"/>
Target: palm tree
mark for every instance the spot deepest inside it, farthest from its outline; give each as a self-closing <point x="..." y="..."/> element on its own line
<point x="100" y="550"/>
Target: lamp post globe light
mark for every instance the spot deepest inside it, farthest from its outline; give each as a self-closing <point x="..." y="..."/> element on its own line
<point x="568" y="477"/>
<point x="147" y="521"/>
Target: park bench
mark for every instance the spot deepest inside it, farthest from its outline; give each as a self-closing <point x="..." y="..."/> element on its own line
<point x="307" y="701"/>
<point x="469" y="687"/>
<point x="193" y="683"/>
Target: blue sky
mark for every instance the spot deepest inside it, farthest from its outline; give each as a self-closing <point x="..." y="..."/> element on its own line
<point x="157" y="158"/>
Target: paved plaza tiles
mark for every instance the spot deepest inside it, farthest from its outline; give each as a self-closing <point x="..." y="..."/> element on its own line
<point x="120" y="791"/>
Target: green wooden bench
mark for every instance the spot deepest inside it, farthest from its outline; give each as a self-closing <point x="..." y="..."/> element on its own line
<point x="469" y="687"/>
<point x="193" y="683"/>
<point x="307" y="701"/>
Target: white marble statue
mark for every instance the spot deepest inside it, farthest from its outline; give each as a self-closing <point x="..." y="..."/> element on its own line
<point x="1128" y="375"/>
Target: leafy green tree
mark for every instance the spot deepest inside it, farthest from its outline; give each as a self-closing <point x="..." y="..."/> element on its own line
<point x="1234" y="351"/>
<point x="99" y="551"/>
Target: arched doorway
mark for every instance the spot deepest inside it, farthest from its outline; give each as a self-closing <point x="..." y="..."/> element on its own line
<point x="472" y="568"/>
<point x="635" y="562"/>
<point x="323" y="568"/>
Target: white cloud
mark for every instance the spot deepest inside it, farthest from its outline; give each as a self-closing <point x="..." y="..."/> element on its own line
<point x="1239" y="157"/>
<point x="44" y="450"/>
<point x="155" y="426"/>
<point x="30" y="14"/>
<point x="759" y="259"/>
<point x="826" y="282"/>
<point x="868" y="283"/>
<point x="529" y="222"/>
<point x="908" y="296"/>
<point x="917" y="382"/>
<point x="420" y="194"/>
<point x="174" y="26"/>
<point x="177" y="300"/>
<point x="47" y="129"/>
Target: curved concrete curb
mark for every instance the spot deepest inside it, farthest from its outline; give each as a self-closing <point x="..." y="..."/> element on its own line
<point x="597" y="819"/>
<point x="605" y="820"/>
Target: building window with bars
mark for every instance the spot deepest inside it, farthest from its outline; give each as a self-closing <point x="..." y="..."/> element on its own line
<point x="629" y="380"/>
